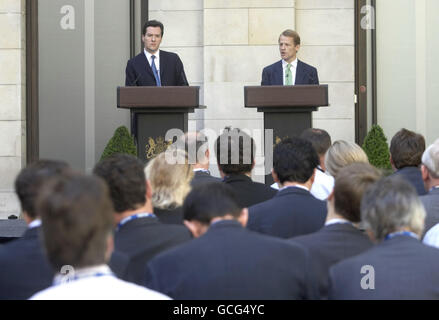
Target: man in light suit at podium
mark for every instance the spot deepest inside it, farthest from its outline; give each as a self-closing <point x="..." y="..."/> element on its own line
<point x="155" y="67"/>
<point x="289" y="70"/>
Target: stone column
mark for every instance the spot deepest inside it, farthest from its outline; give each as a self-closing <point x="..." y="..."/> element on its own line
<point x="12" y="102"/>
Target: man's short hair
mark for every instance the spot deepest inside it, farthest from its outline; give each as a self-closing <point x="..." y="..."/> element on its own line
<point x="406" y="149"/>
<point x="235" y="151"/>
<point x="126" y="180"/>
<point x="212" y="200"/>
<point x="195" y="145"/>
<point x="320" y="139"/>
<point x="390" y="205"/>
<point x="76" y="214"/>
<point x="350" y="185"/>
<point x="155" y="24"/>
<point x="30" y="180"/>
<point x="430" y="159"/>
<point x="294" y="160"/>
<point x="341" y="154"/>
<point x="291" y="34"/>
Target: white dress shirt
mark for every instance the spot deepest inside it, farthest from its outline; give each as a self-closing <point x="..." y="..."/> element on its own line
<point x="97" y="283"/>
<point x="293" y="69"/>
<point x="156" y="60"/>
<point x="431" y="238"/>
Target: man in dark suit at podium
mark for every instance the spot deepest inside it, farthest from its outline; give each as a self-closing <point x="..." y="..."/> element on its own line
<point x="289" y="70"/>
<point x="154" y="67"/>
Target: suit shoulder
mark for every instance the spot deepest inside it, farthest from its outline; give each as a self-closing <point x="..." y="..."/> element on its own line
<point x="307" y="66"/>
<point x="272" y="66"/>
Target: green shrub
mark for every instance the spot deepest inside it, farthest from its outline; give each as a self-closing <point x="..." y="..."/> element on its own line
<point x="376" y="147"/>
<point x="121" y="142"/>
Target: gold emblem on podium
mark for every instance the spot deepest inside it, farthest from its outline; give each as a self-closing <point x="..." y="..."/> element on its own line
<point x="155" y="147"/>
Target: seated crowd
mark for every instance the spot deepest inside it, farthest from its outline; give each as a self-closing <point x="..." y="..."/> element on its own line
<point x="331" y="227"/>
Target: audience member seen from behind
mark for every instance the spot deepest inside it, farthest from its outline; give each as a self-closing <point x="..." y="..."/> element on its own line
<point x="430" y="175"/>
<point x="226" y="261"/>
<point x="293" y="211"/>
<point x="341" y="154"/>
<point x="340" y="238"/>
<point x="196" y="145"/>
<point x="139" y="235"/>
<point x="399" y="266"/>
<point x="77" y="224"/>
<point x="169" y="175"/>
<point x="406" y="149"/>
<point x="24" y="269"/>
<point x="235" y="154"/>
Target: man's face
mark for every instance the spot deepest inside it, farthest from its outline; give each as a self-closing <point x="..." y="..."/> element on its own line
<point x="152" y="39"/>
<point x="288" y="49"/>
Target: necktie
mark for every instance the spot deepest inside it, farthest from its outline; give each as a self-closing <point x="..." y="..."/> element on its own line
<point x="288" y="76"/>
<point x="156" y="73"/>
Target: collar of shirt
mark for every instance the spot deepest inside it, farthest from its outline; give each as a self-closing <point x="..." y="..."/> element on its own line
<point x="435" y="187"/>
<point x="295" y="186"/>
<point x="293" y="64"/>
<point x="202" y="170"/>
<point x="157" y="58"/>
<point x="34" y="224"/>
<point x="72" y="274"/>
<point x="337" y="221"/>
<point x="402" y="233"/>
<point x="134" y="217"/>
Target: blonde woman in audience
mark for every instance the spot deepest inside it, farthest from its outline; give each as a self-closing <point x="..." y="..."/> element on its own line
<point x="170" y="184"/>
<point x="341" y="154"/>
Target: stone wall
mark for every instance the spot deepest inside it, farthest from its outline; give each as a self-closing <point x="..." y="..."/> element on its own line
<point x="12" y="101"/>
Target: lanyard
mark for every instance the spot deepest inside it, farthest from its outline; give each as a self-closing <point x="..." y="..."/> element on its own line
<point x="402" y="233"/>
<point x="134" y="217"/>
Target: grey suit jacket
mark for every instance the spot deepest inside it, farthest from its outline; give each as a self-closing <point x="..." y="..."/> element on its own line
<point x="431" y="204"/>
<point x="403" y="268"/>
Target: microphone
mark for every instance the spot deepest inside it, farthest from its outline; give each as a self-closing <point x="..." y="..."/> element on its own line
<point x="134" y="83"/>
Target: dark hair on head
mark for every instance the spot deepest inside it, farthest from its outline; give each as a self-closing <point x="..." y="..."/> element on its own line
<point x="407" y="148"/>
<point x="77" y="219"/>
<point x="320" y="139"/>
<point x="125" y="177"/>
<point x="30" y="180"/>
<point x="210" y="201"/>
<point x="294" y="160"/>
<point x="351" y="183"/>
<point x="153" y="23"/>
<point x="235" y="151"/>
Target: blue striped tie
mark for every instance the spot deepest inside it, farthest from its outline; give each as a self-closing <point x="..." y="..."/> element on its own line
<point x="156" y="74"/>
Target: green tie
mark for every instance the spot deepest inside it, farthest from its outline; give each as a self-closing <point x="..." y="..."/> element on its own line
<point x="288" y="76"/>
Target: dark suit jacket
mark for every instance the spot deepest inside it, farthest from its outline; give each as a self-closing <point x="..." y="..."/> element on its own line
<point x="414" y="176"/>
<point x="201" y="178"/>
<point x="139" y="73"/>
<point x="24" y="269"/>
<point x="431" y="205"/>
<point x="330" y="245"/>
<point x="273" y="74"/>
<point x="230" y="262"/>
<point x="292" y="212"/>
<point x="248" y="192"/>
<point x="170" y="216"/>
<point x="141" y="239"/>
<point x="404" y="268"/>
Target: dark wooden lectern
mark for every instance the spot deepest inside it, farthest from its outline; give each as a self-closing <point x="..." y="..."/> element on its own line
<point x="287" y="109"/>
<point x="154" y="111"/>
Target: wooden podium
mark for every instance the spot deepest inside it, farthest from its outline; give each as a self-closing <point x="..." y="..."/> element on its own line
<point x="154" y="111"/>
<point x="287" y="109"/>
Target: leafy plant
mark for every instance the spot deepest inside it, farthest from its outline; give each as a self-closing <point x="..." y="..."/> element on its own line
<point x="376" y="147"/>
<point x="121" y="142"/>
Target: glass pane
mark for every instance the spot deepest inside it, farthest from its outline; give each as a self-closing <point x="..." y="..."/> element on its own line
<point x="83" y="50"/>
